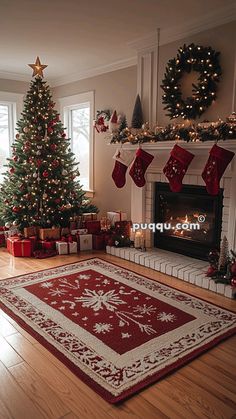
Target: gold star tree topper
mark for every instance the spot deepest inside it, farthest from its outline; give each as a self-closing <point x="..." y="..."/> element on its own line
<point x="37" y="67"/>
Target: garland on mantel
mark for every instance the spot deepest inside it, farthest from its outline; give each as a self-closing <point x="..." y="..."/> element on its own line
<point x="204" y="131"/>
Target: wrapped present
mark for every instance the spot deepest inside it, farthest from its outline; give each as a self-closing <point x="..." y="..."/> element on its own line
<point x="114" y="216"/>
<point x="89" y="216"/>
<point x="34" y="242"/>
<point x="19" y="247"/>
<point x="12" y="231"/>
<point x="123" y="228"/>
<point x="47" y="244"/>
<point x="99" y="241"/>
<point x="31" y="231"/>
<point x="85" y="242"/>
<point x="79" y="231"/>
<point x="65" y="231"/>
<point x="73" y="225"/>
<point x="93" y="227"/>
<point x="66" y="248"/>
<point x="49" y="233"/>
<point x="2" y="236"/>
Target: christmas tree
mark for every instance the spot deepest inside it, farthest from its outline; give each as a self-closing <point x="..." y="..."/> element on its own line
<point x="41" y="184"/>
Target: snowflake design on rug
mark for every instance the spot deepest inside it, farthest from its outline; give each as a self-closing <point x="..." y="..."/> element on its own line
<point x="46" y="285"/>
<point x="97" y="300"/>
<point x="125" y="335"/>
<point x="57" y="292"/>
<point x="166" y="317"/>
<point x="84" y="276"/>
<point x="144" y="309"/>
<point x="102" y="328"/>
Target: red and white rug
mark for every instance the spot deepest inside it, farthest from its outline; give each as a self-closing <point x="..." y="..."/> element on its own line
<point x="116" y="330"/>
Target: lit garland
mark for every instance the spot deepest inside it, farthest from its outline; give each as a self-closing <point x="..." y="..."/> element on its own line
<point x="205" y="61"/>
<point x="204" y="131"/>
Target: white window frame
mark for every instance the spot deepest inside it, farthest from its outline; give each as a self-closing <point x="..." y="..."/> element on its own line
<point x="14" y="102"/>
<point x="67" y="104"/>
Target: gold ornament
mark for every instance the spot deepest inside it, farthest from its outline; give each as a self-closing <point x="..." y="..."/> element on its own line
<point x="37" y="67"/>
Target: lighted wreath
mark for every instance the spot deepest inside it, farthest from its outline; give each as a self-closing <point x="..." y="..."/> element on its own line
<point x="205" y="61"/>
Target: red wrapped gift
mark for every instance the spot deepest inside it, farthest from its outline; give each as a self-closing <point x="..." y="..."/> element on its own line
<point x="99" y="241"/>
<point x="2" y="236"/>
<point x="34" y="242"/>
<point x="93" y="227"/>
<point x="47" y="244"/>
<point x="19" y="247"/>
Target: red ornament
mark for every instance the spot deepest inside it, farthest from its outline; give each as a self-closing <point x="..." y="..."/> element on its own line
<point x="233" y="281"/>
<point x="53" y="147"/>
<point x="45" y="173"/>
<point x="64" y="135"/>
<point x="57" y="201"/>
<point x="17" y="136"/>
<point x="15" y="158"/>
<point x="50" y="130"/>
<point x="39" y="162"/>
<point x="12" y="170"/>
<point x="55" y="163"/>
<point x="16" y="209"/>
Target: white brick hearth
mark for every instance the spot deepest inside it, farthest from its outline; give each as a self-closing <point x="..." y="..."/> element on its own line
<point x="180" y="266"/>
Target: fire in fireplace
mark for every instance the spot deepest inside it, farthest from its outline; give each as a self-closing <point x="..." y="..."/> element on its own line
<point x="198" y="212"/>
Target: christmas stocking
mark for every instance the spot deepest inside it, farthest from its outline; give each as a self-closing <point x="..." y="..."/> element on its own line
<point x="139" y="167"/>
<point x="123" y="160"/>
<point x="217" y="162"/>
<point x="177" y="166"/>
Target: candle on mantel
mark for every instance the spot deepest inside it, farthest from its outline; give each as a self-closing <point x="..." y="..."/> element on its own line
<point x="138" y="239"/>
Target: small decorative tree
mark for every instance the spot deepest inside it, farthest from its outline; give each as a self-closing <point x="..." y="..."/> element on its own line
<point x="137" y="117"/>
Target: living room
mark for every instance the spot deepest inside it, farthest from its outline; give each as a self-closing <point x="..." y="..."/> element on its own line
<point x="117" y="209"/>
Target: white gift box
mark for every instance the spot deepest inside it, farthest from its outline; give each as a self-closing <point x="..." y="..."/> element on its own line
<point x="85" y="242"/>
<point x="65" y="248"/>
<point x="115" y="216"/>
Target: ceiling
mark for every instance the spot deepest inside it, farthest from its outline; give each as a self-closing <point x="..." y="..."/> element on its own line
<point x="76" y="37"/>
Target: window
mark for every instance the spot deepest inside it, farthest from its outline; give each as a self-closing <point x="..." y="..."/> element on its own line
<point x="10" y="107"/>
<point x="78" y="119"/>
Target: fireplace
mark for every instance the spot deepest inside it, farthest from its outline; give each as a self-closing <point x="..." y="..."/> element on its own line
<point x="198" y="212"/>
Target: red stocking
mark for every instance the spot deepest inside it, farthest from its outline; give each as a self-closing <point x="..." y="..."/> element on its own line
<point x="217" y="162"/>
<point x="139" y="167"/>
<point x="123" y="160"/>
<point x="177" y="166"/>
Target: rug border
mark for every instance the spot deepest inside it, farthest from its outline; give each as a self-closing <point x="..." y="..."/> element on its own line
<point x="90" y="382"/>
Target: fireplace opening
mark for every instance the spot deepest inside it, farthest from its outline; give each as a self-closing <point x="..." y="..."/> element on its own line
<point x="200" y="214"/>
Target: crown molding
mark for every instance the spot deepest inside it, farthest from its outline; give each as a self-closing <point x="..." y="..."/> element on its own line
<point x="211" y="20"/>
<point x="118" y="65"/>
<point x="5" y="75"/>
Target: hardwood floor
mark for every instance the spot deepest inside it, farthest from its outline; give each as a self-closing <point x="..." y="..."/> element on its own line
<point x="35" y="385"/>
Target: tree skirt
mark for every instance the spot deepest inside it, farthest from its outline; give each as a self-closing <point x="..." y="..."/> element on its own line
<point x="116" y="330"/>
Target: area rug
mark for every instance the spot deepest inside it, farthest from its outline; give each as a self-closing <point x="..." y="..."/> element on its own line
<point x="116" y="330"/>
